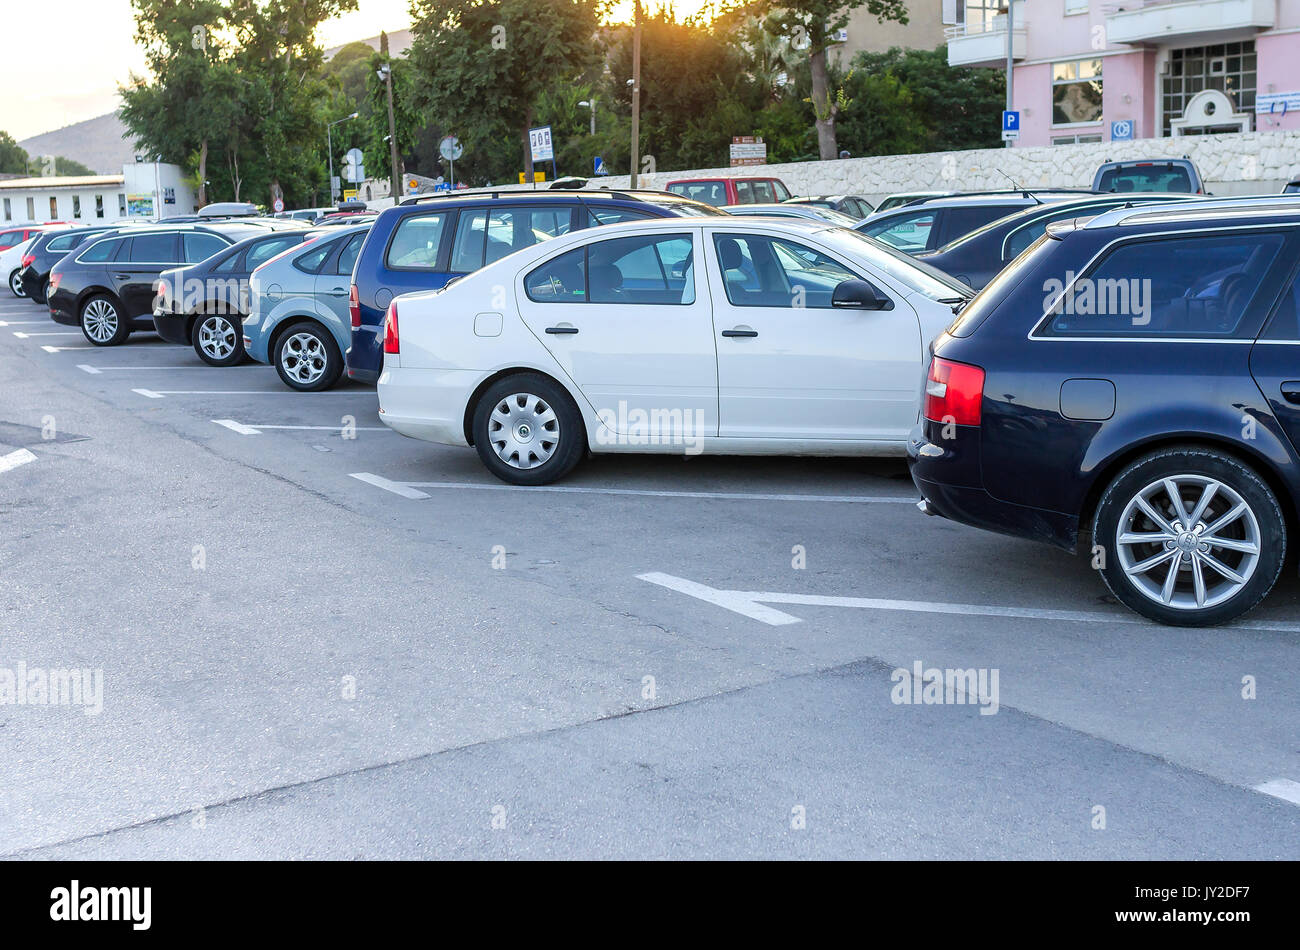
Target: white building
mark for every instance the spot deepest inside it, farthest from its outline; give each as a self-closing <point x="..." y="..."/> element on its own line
<point x="144" y="191"/>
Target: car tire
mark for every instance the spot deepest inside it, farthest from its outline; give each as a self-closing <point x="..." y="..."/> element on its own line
<point x="218" y="339"/>
<point x="307" y="358"/>
<point x="1227" y="519"/>
<point x="46" y="290"/>
<point x="16" y="285"/>
<point x="102" y="321"/>
<point x="511" y="423"/>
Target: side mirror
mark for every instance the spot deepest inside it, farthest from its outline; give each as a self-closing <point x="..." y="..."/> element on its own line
<point x="859" y="295"/>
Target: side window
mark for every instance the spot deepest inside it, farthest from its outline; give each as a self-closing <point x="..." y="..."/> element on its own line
<point x="910" y="232"/>
<point x="1285" y="324"/>
<point x="199" y="247"/>
<point x="263" y="251"/>
<point x="562" y="279"/>
<point x="153" y="249"/>
<point x="1199" y="286"/>
<point x="227" y="264"/>
<point x="417" y="241"/>
<point x="650" y="269"/>
<point x="763" y="193"/>
<point x="513" y="229"/>
<point x="64" y="243"/>
<point x="99" y="252"/>
<point x="599" y="216"/>
<point x="958" y="222"/>
<point x="744" y="193"/>
<point x="1018" y="240"/>
<point x="471" y="242"/>
<point x="677" y="188"/>
<point x="771" y="272"/>
<point x="782" y="193"/>
<point x="348" y="256"/>
<point x="314" y="260"/>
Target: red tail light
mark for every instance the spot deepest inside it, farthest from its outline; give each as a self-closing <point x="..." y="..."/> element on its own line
<point x="55" y="279"/>
<point x="954" y="393"/>
<point x="27" y="261"/>
<point x="354" y="307"/>
<point x="391" y="342"/>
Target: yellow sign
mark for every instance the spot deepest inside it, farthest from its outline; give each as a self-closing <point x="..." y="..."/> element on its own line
<point x="349" y="194"/>
<point x="537" y="176"/>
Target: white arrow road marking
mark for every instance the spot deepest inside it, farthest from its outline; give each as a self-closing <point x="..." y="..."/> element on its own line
<point x="397" y="488"/>
<point x="750" y="604"/>
<point x="14" y="459"/>
<point x="1282" y="788"/>
<point x="257" y="427"/>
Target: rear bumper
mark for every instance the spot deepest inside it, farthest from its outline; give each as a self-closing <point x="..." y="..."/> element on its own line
<point x="932" y="467"/>
<point x="426" y="404"/>
<point x="33" y="284"/>
<point x="63" y="309"/>
<point x="365" y="357"/>
<point x="171" y="327"/>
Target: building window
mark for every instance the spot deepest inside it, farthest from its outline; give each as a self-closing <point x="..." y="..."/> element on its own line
<point x="9" y="210"/>
<point x="54" y="208"/>
<point x="978" y="15"/>
<point x="31" y="209"/>
<point x="1076" y="92"/>
<point x="76" y="206"/>
<point x="99" y="206"/>
<point x="121" y="206"/>
<point x="1077" y="139"/>
<point x="1076" y="6"/>
<point x="1228" y="67"/>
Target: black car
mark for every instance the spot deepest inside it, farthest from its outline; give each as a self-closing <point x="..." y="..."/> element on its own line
<point x="1131" y="386"/>
<point x="204" y="304"/>
<point x="107" y="287"/>
<point x="977" y="257"/>
<point x="852" y="205"/>
<point x="46" y="251"/>
<point x="930" y="223"/>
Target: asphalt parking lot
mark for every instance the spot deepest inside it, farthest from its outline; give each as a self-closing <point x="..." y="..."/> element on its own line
<point x="319" y="646"/>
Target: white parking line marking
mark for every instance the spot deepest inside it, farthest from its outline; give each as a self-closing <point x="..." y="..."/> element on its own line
<point x="14" y="459"/>
<point x="1282" y="788"/>
<point x="160" y="393"/>
<point x="750" y="604"/>
<point x="25" y="323"/>
<point x="86" y="368"/>
<point x="24" y="336"/>
<point x="63" y="349"/>
<point x="727" y="496"/>
<point x="257" y="427"/>
<point x="105" y="369"/>
<point x="397" y="488"/>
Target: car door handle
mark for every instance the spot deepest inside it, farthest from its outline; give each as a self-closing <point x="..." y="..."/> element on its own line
<point x="1291" y="391"/>
<point x="122" y="276"/>
<point x="561" y="329"/>
<point x="337" y="292"/>
<point x="744" y="333"/>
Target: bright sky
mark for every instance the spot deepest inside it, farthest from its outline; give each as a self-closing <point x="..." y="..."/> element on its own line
<point x="95" y="51"/>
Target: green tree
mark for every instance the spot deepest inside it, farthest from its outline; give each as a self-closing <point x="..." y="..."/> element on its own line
<point x="484" y="67"/>
<point x="13" y="158"/>
<point x="810" y="25"/>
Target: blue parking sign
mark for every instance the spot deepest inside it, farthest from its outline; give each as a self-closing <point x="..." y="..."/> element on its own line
<point x="1010" y="125"/>
<point x="1121" y="130"/>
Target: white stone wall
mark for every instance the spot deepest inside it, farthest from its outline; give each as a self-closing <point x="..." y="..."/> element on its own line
<point x="1233" y="164"/>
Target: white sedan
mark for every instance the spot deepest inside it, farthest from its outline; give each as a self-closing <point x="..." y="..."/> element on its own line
<point x="738" y="336"/>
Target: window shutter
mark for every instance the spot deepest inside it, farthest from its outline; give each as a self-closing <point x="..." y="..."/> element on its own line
<point x="949" y="12"/>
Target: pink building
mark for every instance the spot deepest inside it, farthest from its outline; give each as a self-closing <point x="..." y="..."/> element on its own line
<point x="1109" y="70"/>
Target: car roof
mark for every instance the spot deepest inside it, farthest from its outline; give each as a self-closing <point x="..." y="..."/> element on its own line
<point x="1193" y="210"/>
<point x="1131" y="162"/>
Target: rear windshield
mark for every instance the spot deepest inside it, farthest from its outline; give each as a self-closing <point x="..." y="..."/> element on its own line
<point x="996" y="290"/>
<point x="1168" y="178"/>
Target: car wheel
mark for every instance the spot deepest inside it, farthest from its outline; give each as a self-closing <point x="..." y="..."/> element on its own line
<point x="16" y="284"/>
<point x="218" y="339"/>
<point x="307" y="358"/>
<point x="1190" y="537"/>
<point x="46" y="290"/>
<point x="528" y="431"/>
<point x="102" y="322"/>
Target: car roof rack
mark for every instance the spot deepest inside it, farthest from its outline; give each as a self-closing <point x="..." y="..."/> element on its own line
<point x="1197" y="207"/>
<point x="625" y="193"/>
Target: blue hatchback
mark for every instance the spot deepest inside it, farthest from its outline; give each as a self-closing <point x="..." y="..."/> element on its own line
<point x="425" y="242"/>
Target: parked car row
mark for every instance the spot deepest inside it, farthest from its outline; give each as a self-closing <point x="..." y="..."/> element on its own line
<point x="1125" y="382"/>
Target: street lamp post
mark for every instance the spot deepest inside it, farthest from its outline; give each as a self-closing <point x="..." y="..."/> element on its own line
<point x="386" y="74"/>
<point x="592" y="104"/>
<point x="329" y="145"/>
<point x="636" y="92"/>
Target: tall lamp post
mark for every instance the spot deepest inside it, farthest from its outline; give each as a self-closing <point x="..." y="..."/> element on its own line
<point x="1011" y="31"/>
<point x="329" y="140"/>
<point x="636" y="93"/>
<point x="592" y="104"/>
<point x="385" y="73"/>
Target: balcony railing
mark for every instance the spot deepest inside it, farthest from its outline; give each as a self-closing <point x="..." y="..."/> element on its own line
<point x="1145" y="21"/>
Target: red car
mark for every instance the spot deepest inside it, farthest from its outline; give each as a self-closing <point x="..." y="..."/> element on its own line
<point x="731" y="191"/>
<point x="17" y="235"/>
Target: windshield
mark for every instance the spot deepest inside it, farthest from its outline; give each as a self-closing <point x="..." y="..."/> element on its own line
<point x="917" y="276"/>
<point x="1149" y="177"/>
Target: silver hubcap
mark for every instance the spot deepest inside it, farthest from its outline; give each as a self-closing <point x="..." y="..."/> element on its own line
<point x="100" y="320"/>
<point x="16" y="285"/>
<point x="217" y="337"/>
<point x="1188" y="542"/>
<point x="304" y="358"/>
<point x="524" y="430"/>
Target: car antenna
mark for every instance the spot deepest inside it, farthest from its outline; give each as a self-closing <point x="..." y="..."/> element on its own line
<point x="1018" y="187"/>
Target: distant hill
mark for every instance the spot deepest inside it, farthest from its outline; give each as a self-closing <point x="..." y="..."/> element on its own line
<point x="98" y="143"/>
<point x="399" y="41"/>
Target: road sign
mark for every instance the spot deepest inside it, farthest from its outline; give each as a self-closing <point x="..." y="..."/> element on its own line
<point x="537" y="176"/>
<point x="542" y="146"/>
<point x="600" y="166"/>
<point x="354" y="168"/>
<point x="278" y="205"/>
<point x="349" y="194"/>
<point x="451" y="148"/>
<point x="748" y="150"/>
<point x="1121" y="130"/>
<point x="1010" y="125"/>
